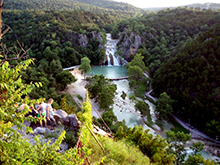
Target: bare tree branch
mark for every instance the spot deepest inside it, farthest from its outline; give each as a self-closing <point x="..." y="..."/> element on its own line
<point x="19" y="50"/>
<point x="14" y="58"/>
<point x="1" y="5"/>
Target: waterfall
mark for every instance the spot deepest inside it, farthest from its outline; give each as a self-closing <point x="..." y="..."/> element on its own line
<point x="110" y="51"/>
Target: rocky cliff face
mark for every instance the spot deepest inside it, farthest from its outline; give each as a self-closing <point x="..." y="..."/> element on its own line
<point x="129" y="43"/>
<point x="83" y="39"/>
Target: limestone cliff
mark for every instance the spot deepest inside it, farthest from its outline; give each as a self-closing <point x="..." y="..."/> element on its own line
<point x="129" y="44"/>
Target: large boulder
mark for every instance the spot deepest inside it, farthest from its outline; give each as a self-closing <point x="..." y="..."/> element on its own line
<point x="60" y="116"/>
<point x="72" y="121"/>
<point x="41" y="130"/>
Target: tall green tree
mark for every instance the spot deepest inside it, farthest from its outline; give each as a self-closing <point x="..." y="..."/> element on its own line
<point x="135" y="73"/>
<point x="137" y="61"/>
<point x="164" y="106"/>
<point x="64" y="78"/>
<point x="142" y="107"/>
<point x="85" y="66"/>
<point x="100" y="88"/>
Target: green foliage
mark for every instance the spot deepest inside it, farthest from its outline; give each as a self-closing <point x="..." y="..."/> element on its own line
<point x="116" y="152"/>
<point x="85" y="66"/>
<point x="13" y="93"/>
<point x="197" y="147"/>
<point x="66" y="107"/>
<point x="94" y="6"/>
<point x="137" y="79"/>
<point x="143" y="108"/>
<point x="135" y="73"/>
<point x="100" y="88"/>
<point x="177" y="143"/>
<point x="70" y="139"/>
<point x="132" y="97"/>
<point x="198" y="160"/>
<point x="64" y="78"/>
<point x="164" y="106"/>
<point x="109" y="117"/>
<point x="137" y="61"/>
<point x="162" y="32"/>
<point x="79" y="97"/>
<point x="19" y="151"/>
<point x="191" y="77"/>
<point x="123" y="95"/>
<point x="14" y="148"/>
<point x="86" y="119"/>
<point x="153" y="146"/>
<point x="107" y="95"/>
<point x="177" y="126"/>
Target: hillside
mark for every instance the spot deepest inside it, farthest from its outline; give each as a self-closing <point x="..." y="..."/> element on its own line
<point x="191" y="77"/>
<point x="93" y="6"/>
<point x="207" y="6"/>
<point x="197" y="6"/>
<point x="180" y="49"/>
<point x="60" y="38"/>
<point x="155" y="36"/>
<point x="109" y="4"/>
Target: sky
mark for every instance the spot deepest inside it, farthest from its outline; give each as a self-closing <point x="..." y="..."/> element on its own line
<point x="164" y="3"/>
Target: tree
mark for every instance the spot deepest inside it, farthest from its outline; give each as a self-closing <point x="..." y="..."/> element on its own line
<point x="66" y="107"/>
<point x="109" y="117"/>
<point x="135" y="73"/>
<point x="164" y="106"/>
<point x="137" y="61"/>
<point x="85" y="66"/>
<point x="198" y="160"/>
<point x="155" y="147"/>
<point x="197" y="147"/>
<point x="63" y="78"/>
<point x="177" y="143"/>
<point x="142" y="107"/>
<point x="100" y="88"/>
<point x="107" y="95"/>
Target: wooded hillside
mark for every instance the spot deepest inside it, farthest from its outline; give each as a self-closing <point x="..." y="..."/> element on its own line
<point x="95" y="6"/>
<point x="191" y="77"/>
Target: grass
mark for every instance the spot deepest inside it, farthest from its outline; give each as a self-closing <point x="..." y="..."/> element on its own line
<point x="116" y="152"/>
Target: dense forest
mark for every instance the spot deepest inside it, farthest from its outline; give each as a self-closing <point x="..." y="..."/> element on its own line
<point x="162" y="33"/>
<point x="96" y="6"/>
<point x="63" y="37"/>
<point x="179" y="48"/>
<point x="57" y="39"/>
<point x="191" y="77"/>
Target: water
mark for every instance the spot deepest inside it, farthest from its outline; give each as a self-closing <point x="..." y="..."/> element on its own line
<point x="110" y="71"/>
<point x="110" y="51"/>
<point x="206" y="155"/>
<point x="123" y="109"/>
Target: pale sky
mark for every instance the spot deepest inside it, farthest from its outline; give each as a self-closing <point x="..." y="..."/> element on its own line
<point x="164" y="3"/>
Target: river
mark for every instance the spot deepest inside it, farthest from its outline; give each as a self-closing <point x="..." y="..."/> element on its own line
<point x="125" y="109"/>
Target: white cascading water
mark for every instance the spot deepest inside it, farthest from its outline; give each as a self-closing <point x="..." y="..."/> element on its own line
<point x="110" y="51"/>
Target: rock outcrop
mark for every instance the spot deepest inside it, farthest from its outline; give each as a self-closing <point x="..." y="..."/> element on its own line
<point x="41" y="130"/>
<point x="129" y="43"/>
<point x="60" y="116"/>
<point x="83" y="39"/>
